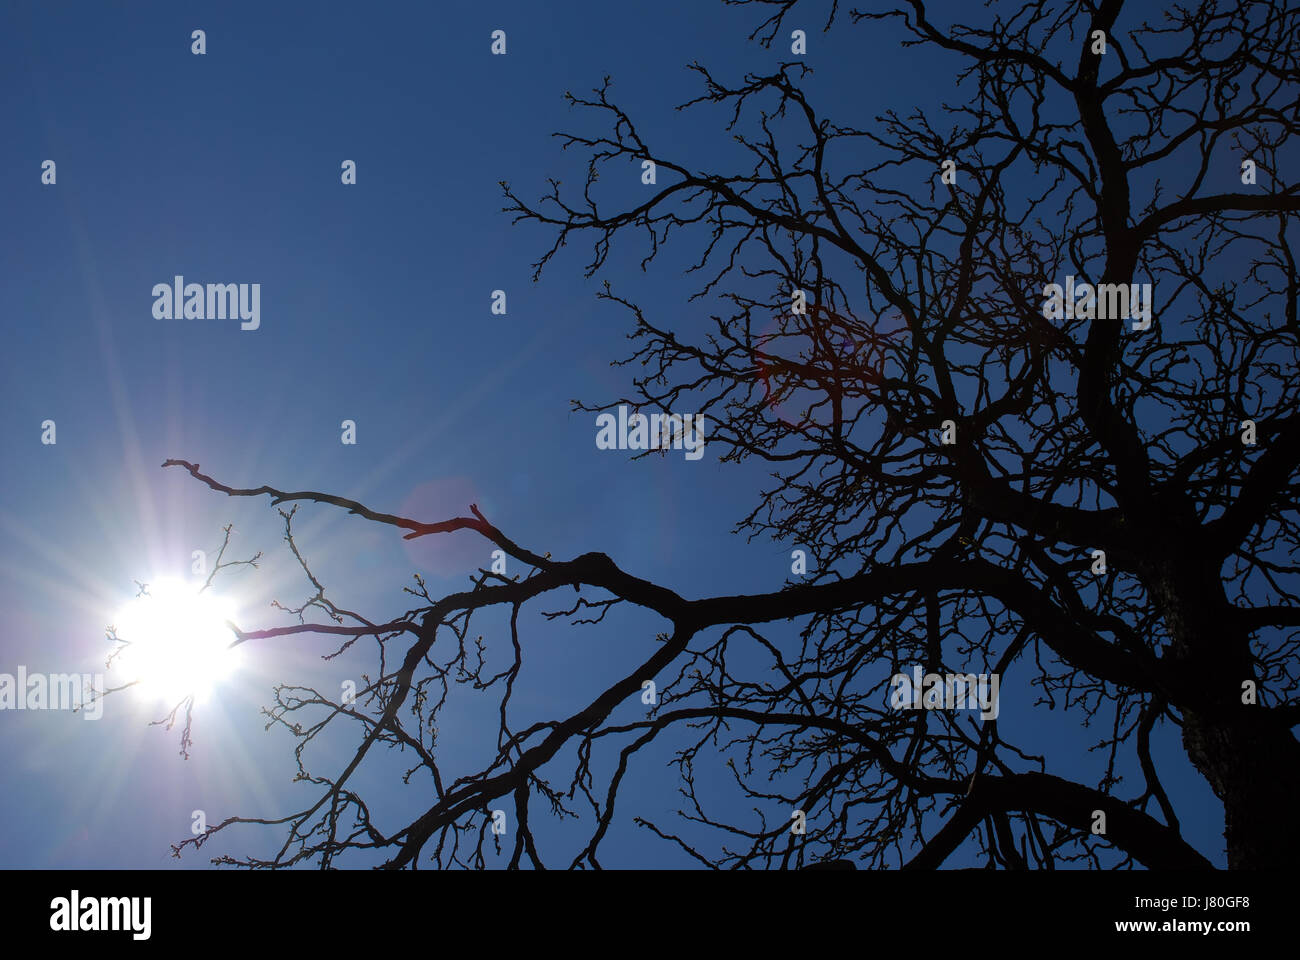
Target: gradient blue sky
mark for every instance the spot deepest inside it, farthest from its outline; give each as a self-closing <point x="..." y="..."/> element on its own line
<point x="225" y="168"/>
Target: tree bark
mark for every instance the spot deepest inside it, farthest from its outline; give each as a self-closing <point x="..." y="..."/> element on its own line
<point x="1246" y="753"/>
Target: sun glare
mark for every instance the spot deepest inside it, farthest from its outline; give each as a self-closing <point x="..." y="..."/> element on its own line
<point x="177" y="643"/>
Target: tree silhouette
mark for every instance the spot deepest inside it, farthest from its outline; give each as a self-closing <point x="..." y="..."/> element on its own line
<point x="1105" y="532"/>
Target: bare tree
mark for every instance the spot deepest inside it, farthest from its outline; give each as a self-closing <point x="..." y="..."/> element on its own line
<point x="1104" y="528"/>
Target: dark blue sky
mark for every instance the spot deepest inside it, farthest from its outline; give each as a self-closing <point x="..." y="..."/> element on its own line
<point x="374" y="307"/>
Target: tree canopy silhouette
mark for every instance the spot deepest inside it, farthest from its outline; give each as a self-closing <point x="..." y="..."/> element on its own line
<point x="1065" y="499"/>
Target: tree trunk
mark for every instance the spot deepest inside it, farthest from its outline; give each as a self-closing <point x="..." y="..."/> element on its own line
<point x="1254" y="768"/>
<point x="1251" y="760"/>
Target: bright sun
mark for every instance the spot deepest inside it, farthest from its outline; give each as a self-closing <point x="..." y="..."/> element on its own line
<point x="177" y="642"/>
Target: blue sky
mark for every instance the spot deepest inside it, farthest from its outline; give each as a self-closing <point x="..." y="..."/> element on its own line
<point x="374" y="307"/>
